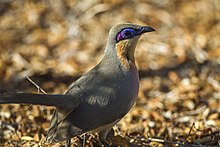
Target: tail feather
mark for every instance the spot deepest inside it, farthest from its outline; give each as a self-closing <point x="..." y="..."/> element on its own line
<point x="58" y="100"/>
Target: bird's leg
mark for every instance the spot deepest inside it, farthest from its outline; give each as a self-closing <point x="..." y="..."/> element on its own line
<point x="103" y="136"/>
<point x="68" y="143"/>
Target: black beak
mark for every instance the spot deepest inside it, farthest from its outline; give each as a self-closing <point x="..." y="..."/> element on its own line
<point x="145" y="29"/>
<point x="148" y="29"/>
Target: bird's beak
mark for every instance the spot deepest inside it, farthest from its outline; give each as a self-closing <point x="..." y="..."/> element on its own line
<point x="145" y="29"/>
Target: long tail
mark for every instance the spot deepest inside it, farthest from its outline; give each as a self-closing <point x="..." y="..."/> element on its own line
<point x="59" y="100"/>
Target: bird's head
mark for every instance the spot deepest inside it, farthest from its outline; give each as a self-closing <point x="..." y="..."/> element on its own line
<point x="122" y="40"/>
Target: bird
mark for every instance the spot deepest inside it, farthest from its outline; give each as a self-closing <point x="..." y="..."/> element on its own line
<point x="101" y="97"/>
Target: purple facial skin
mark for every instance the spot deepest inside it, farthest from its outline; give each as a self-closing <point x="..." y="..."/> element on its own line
<point x="128" y="33"/>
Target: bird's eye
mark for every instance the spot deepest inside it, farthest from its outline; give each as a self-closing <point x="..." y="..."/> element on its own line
<point x="125" y="34"/>
<point x="128" y="33"/>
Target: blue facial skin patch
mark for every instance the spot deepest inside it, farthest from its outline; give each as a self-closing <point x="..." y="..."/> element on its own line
<point x="128" y="33"/>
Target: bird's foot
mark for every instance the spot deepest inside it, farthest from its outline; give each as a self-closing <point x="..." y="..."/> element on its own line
<point x="68" y="143"/>
<point x="105" y="143"/>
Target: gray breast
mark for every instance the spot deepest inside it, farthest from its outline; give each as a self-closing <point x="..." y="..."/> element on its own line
<point x="106" y="95"/>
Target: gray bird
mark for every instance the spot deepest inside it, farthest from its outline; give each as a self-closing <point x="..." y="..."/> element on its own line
<point x="100" y="98"/>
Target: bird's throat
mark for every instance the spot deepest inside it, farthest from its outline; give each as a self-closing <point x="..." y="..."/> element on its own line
<point x="125" y="53"/>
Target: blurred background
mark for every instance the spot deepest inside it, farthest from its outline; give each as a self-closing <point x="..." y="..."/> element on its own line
<point x="54" y="41"/>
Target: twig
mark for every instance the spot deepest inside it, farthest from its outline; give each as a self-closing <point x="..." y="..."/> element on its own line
<point x="175" y="143"/>
<point x="38" y="87"/>
<point x="84" y="140"/>
<point x="164" y="141"/>
<point x="191" y="129"/>
<point x="117" y="130"/>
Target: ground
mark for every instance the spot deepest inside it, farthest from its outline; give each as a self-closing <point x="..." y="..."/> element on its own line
<point x="51" y="43"/>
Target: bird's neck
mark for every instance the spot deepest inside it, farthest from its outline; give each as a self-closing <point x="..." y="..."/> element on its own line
<point x="125" y="53"/>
